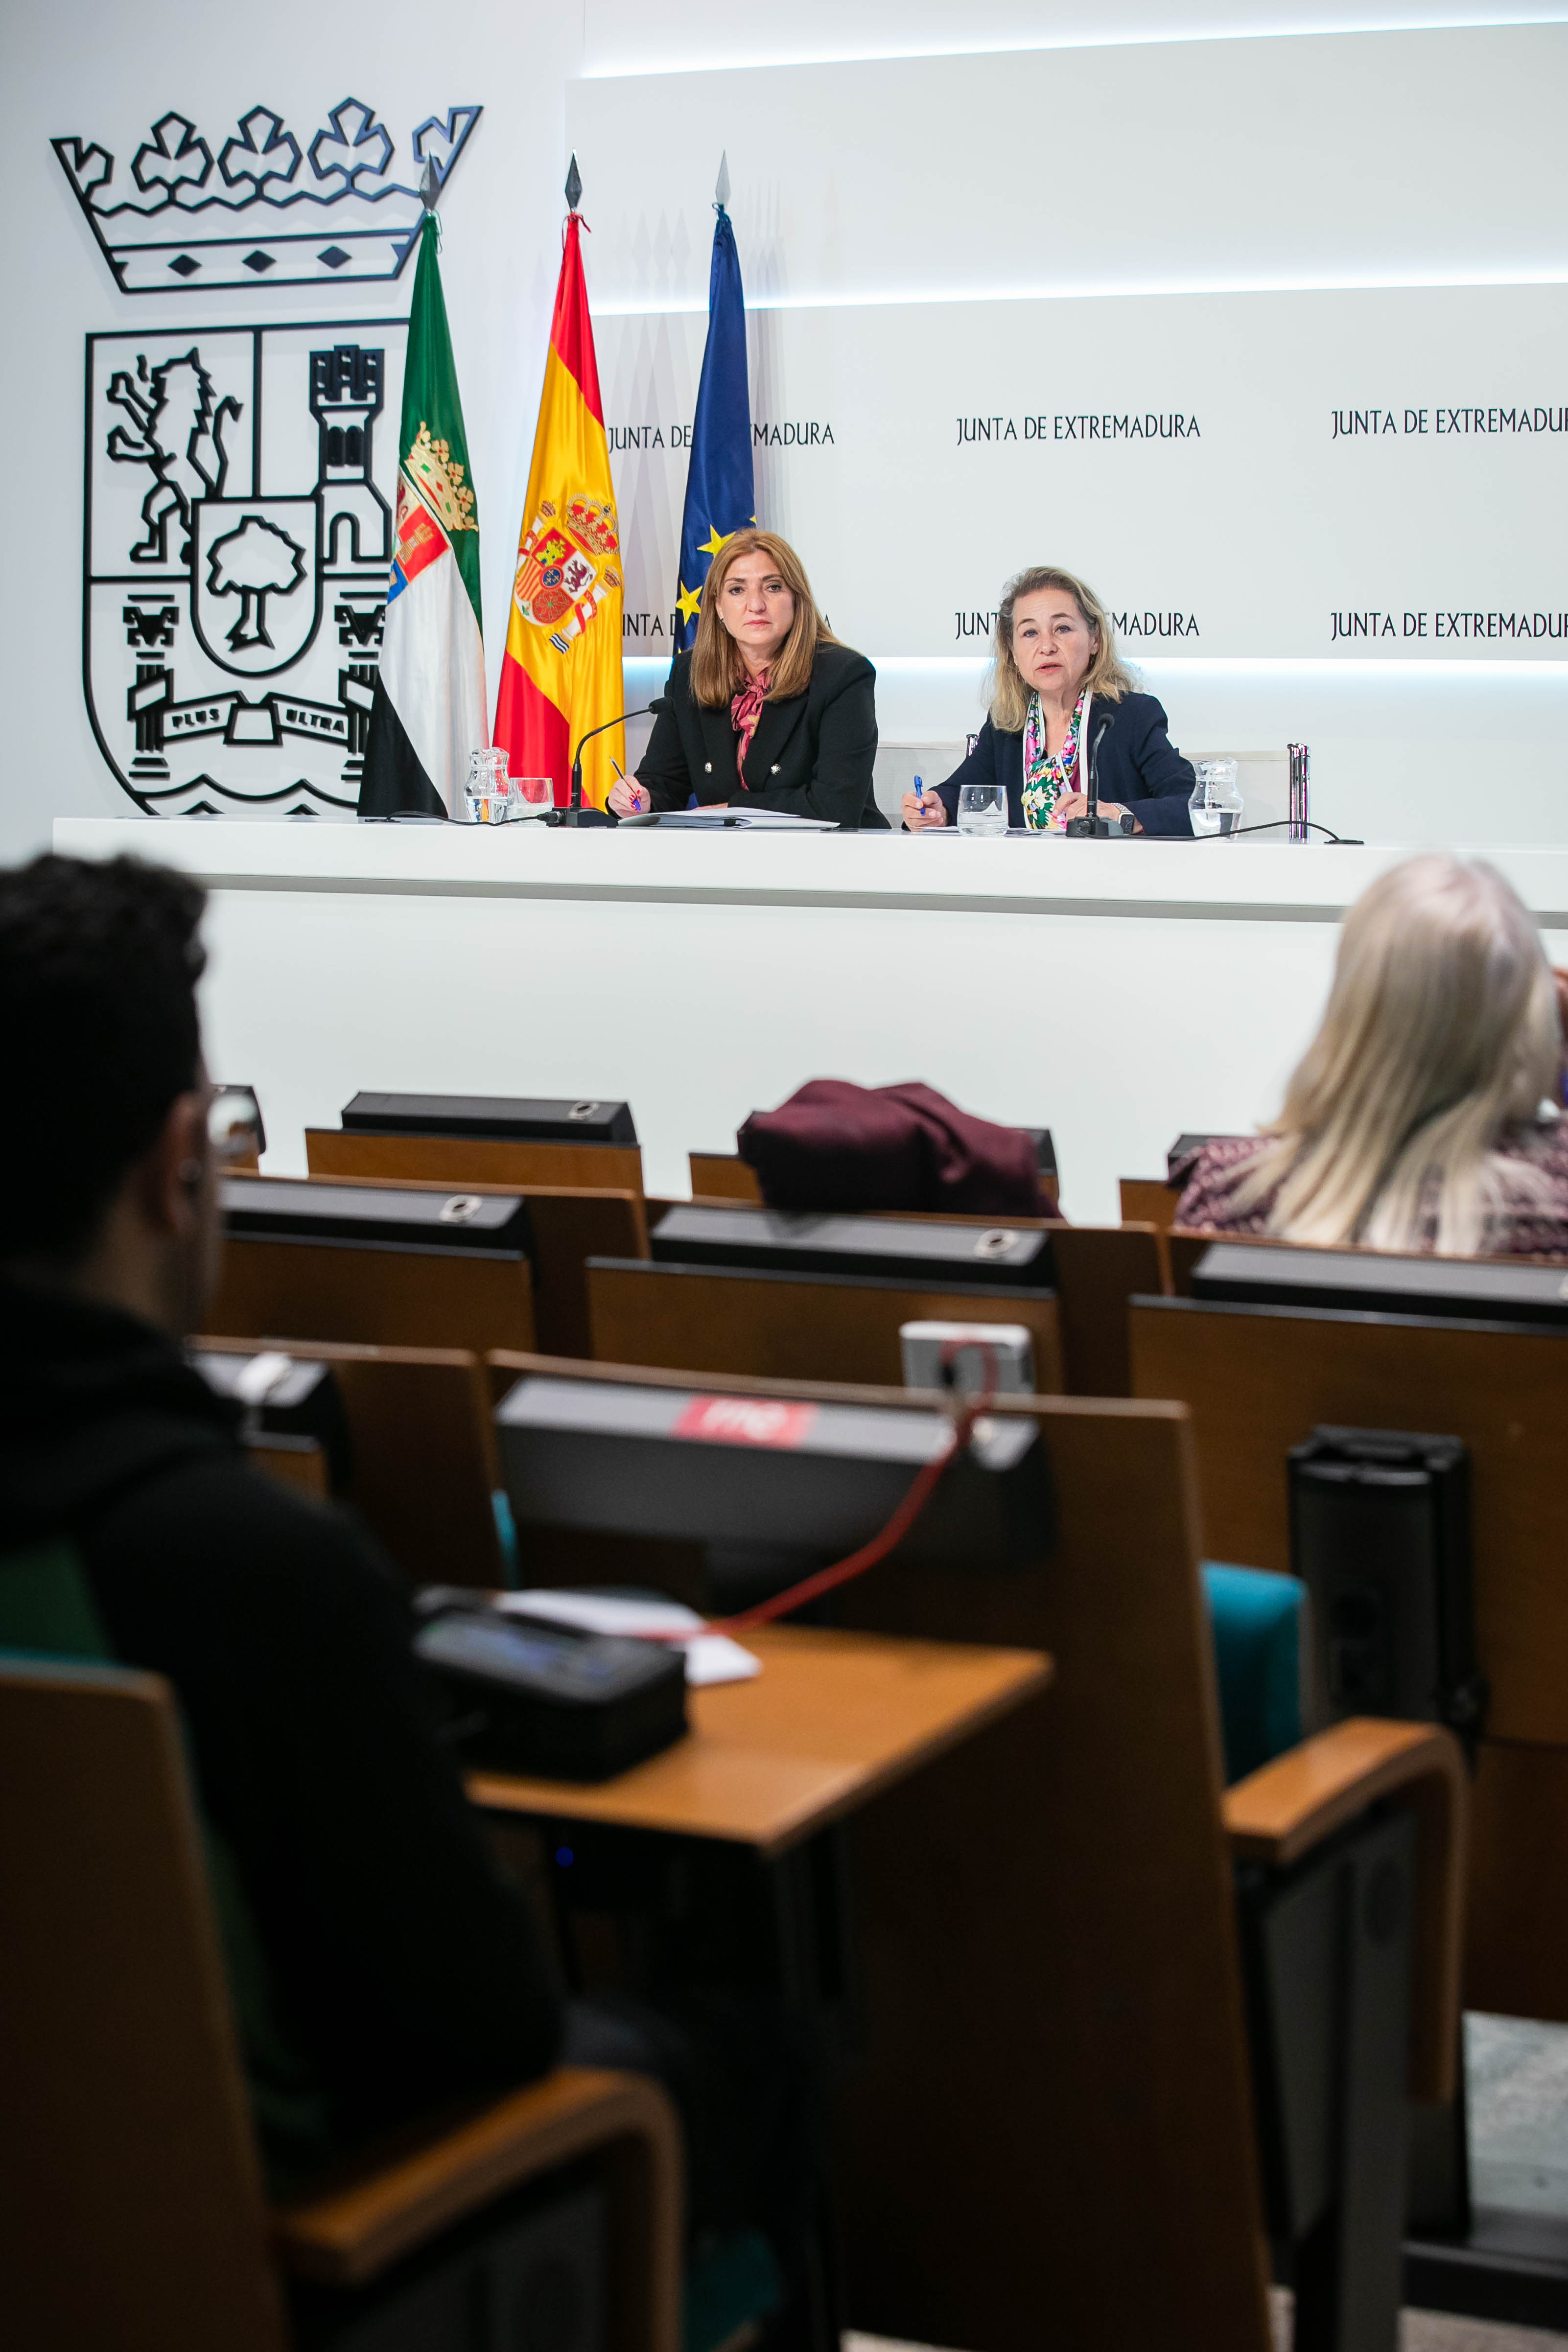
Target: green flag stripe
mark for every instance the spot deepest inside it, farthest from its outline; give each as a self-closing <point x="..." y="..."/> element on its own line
<point x="433" y="444"/>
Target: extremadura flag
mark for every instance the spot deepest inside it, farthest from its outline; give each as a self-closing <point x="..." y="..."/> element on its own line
<point x="562" y="673"/>
<point x="430" y="707"/>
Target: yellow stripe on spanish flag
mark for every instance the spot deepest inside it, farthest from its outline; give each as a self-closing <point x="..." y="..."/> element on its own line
<point x="562" y="673"/>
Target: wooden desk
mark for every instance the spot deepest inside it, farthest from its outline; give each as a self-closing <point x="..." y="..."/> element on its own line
<point x="831" y="1720"/>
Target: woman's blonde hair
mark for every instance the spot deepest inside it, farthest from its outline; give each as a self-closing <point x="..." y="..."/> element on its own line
<point x="1008" y="694"/>
<point x="718" y="673"/>
<point x="1441" y="1028"/>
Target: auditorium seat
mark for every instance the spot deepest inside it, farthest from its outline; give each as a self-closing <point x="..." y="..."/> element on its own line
<point x="1051" y="2113"/>
<point x="387" y="1294"/>
<point x="1051" y="2118"/>
<point x="132" y="2209"/>
<point x="569" y="1223"/>
<point x="793" y="1327"/>
<point x="421" y="1469"/>
<point x="1037" y="2031"/>
<point x="1147" y="1200"/>
<point x="1257" y="1381"/>
<point x="781" y="1326"/>
<point x="723" y="1176"/>
<point x="474" y="1160"/>
<point x="1098" y="1270"/>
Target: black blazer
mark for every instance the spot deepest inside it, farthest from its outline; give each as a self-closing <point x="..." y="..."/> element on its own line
<point x="811" y="756"/>
<point x="1138" y="765"/>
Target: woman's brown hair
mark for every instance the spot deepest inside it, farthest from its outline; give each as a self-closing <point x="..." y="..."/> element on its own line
<point x="1107" y="680"/>
<point x="718" y="673"/>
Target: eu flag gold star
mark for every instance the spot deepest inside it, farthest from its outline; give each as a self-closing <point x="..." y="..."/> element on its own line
<point x="687" y="601"/>
<point x="715" y="541"/>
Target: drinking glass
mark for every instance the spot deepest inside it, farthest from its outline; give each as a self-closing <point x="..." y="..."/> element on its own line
<point x="488" y="789"/>
<point x="982" y="808"/>
<point x="1215" y="801"/>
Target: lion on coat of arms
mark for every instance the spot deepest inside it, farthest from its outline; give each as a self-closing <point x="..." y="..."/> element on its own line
<point x="561" y="567"/>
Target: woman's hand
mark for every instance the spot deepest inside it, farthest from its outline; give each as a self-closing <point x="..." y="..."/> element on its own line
<point x="627" y="799"/>
<point x="923" y="810"/>
<point x="1073" y="804"/>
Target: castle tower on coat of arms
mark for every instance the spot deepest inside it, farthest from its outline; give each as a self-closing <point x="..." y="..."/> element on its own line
<point x="346" y="395"/>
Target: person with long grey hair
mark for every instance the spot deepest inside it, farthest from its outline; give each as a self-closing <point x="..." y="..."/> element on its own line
<point x="1064" y="709"/>
<point x="1422" y="1115"/>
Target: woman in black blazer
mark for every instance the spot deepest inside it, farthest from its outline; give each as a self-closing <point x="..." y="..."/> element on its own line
<point x="1059" y="700"/>
<point x="767" y="709"/>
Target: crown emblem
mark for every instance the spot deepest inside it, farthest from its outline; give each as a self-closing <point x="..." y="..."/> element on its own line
<point x="331" y="209"/>
<point x="440" y="476"/>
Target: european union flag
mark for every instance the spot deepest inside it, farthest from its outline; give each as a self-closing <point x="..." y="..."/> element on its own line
<point x="720" y="498"/>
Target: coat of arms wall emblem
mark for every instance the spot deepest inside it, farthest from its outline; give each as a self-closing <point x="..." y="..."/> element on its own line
<point x="238" y="545"/>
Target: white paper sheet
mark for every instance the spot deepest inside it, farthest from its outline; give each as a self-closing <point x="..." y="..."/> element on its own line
<point x="710" y="1657"/>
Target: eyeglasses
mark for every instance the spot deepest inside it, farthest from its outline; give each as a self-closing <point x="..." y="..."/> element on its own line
<point x="234" y="1129"/>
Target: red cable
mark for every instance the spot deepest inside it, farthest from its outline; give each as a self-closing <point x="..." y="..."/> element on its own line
<point x="921" y="1488"/>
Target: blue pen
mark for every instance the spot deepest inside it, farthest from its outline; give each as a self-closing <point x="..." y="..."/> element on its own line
<point x="920" y="789"/>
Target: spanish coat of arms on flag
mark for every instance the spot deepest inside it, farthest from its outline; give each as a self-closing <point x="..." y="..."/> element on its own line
<point x="562" y="673"/>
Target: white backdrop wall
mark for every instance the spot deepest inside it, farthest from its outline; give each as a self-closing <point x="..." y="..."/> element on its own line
<point x="1200" y="364"/>
<point x="1206" y="179"/>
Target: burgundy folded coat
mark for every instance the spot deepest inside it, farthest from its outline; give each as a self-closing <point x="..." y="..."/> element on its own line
<point x="837" y="1145"/>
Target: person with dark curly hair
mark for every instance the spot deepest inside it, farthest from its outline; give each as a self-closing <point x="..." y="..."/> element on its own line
<point x="381" y="1963"/>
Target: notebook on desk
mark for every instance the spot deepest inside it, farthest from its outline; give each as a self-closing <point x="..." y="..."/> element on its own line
<point x="744" y="820"/>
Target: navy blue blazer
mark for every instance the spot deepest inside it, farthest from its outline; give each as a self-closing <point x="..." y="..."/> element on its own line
<point x="812" y="754"/>
<point x="1138" y="766"/>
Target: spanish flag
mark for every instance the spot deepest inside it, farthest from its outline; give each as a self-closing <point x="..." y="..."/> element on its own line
<point x="562" y="673"/>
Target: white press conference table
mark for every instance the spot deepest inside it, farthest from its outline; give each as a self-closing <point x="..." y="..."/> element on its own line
<point x="1117" y="993"/>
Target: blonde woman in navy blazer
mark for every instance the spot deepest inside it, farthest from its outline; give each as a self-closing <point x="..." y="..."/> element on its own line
<point x="1061" y="698"/>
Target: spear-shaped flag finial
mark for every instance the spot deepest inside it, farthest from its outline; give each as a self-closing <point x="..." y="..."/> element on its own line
<point x="574" y="185"/>
<point x="429" y="185"/>
<point x="722" y="186"/>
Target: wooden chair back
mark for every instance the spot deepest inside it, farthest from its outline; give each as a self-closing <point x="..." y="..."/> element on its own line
<point x="723" y="1176"/>
<point x="286" y="1290"/>
<point x="571" y="1223"/>
<point x="422" y="1453"/>
<point x="780" y="1325"/>
<point x="1030" y="2056"/>
<point x="473" y="1160"/>
<point x="1257" y="1381"/>
<point x="132" y="2212"/>
<point x="1148" y="1200"/>
<point x="1099" y="1268"/>
<point x="1053" y="2114"/>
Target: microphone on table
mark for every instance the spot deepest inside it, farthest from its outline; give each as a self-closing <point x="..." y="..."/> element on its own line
<point x="572" y="812"/>
<point x="1092" y="826"/>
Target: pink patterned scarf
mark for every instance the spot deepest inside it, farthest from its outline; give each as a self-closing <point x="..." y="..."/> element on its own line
<point x="745" y="709"/>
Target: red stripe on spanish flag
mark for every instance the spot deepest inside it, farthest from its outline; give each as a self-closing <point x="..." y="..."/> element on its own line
<point x="562" y="673"/>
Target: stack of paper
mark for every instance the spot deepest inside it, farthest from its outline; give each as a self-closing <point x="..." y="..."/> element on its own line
<point x="710" y="1657"/>
<point x="746" y="820"/>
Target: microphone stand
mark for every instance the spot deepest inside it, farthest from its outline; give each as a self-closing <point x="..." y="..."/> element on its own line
<point x="1092" y="826"/>
<point x="573" y="813"/>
